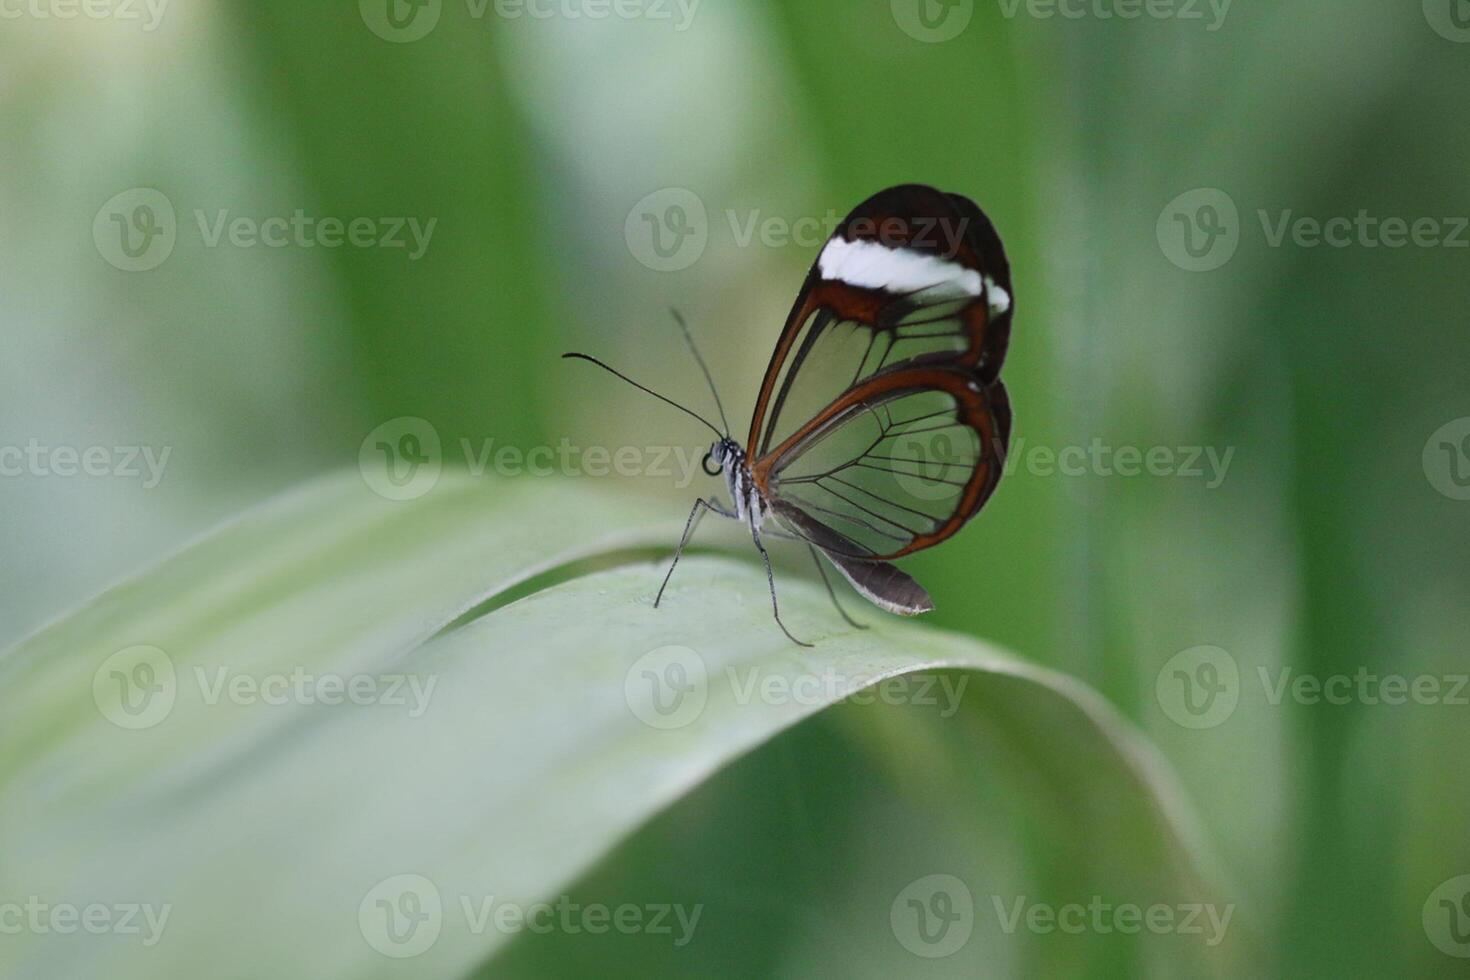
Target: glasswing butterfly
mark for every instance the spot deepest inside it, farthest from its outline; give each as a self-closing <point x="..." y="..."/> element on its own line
<point x="881" y="424"/>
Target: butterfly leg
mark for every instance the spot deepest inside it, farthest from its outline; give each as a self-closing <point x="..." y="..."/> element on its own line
<point x="700" y="506"/>
<point x="771" y="581"/>
<point x="832" y="594"/>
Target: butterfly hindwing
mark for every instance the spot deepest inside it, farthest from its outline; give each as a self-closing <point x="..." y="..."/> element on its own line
<point x="897" y="464"/>
<point x="882" y="584"/>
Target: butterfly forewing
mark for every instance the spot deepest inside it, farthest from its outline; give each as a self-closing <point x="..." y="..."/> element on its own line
<point x="835" y="354"/>
<point x="881" y="416"/>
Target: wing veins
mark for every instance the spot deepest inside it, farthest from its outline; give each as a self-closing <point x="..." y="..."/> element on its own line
<point x="872" y="339"/>
<point x="925" y="418"/>
<point x="913" y="533"/>
<point x="875" y="496"/>
<point x="917" y="476"/>
<point x="936" y="319"/>
<point x="855" y="520"/>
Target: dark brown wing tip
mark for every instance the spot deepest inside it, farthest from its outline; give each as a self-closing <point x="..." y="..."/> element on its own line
<point x="916" y="605"/>
<point x="884" y="585"/>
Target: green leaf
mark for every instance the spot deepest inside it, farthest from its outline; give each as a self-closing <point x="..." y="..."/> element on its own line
<point x="482" y="749"/>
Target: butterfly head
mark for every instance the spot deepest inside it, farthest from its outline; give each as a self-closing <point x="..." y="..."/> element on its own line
<point x="724" y="453"/>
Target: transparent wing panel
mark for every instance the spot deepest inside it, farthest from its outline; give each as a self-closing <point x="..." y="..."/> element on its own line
<point x="888" y="472"/>
<point x="831" y="354"/>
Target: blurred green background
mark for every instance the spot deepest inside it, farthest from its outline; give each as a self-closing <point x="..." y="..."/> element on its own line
<point x="584" y="173"/>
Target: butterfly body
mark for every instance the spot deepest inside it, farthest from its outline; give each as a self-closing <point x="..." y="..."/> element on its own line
<point x="751" y="505"/>
<point x="881" y="423"/>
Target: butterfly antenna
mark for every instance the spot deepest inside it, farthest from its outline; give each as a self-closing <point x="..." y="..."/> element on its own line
<point x="689" y="339"/>
<point x="670" y="401"/>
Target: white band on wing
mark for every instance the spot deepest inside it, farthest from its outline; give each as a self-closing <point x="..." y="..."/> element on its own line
<point x="897" y="270"/>
<point x="1000" y="300"/>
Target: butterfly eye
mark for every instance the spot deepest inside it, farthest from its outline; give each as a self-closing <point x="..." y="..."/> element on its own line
<point x="709" y="459"/>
